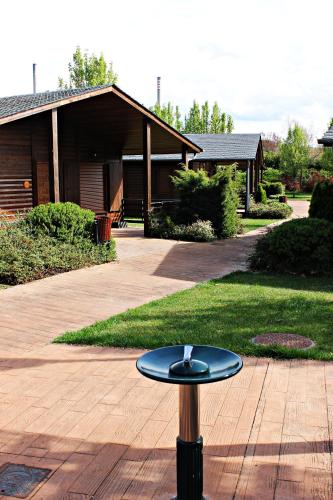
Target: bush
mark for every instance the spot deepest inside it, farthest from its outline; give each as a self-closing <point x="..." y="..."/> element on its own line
<point x="321" y="206"/>
<point x="261" y="196"/>
<point x="161" y="226"/>
<point x="25" y="256"/>
<point x="271" y="210"/>
<point x="207" y="198"/>
<point x="272" y="175"/>
<point x="273" y="188"/>
<point x="64" y="221"/>
<point x="300" y="246"/>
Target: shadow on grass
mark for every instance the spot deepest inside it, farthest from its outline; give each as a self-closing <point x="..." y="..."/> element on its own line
<point x="292" y="282"/>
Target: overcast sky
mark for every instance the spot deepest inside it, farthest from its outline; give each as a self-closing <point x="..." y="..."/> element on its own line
<point x="267" y="62"/>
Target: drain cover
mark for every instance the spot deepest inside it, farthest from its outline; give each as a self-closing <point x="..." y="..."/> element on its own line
<point x="17" y="480"/>
<point x="290" y="340"/>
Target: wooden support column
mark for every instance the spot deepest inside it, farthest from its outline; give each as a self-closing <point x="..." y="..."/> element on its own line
<point x="55" y="157"/>
<point x="248" y="178"/>
<point x="146" y="173"/>
<point x="185" y="156"/>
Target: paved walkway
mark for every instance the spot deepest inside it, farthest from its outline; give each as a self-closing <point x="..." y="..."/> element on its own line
<point x="105" y="432"/>
<point x="147" y="269"/>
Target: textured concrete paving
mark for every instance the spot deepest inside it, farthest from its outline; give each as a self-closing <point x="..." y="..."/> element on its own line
<point x="147" y="269"/>
<point x="105" y="432"/>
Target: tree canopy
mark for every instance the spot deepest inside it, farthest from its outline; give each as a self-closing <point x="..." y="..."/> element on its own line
<point x="87" y="70"/>
<point x="295" y="152"/>
<point x="200" y="119"/>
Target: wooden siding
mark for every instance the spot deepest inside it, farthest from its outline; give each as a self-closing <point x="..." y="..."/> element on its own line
<point x="162" y="187"/>
<point x="92" y="187"/>
<point x="15" y="168"/>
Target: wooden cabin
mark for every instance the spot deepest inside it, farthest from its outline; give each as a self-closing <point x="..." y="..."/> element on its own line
<point x="217" y="149"/>
<point x="68" y="145"/>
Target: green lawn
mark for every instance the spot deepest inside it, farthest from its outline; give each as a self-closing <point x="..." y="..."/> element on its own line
<point x="227" y="312"/>
<point x="132" y="222"/>
<point x="251" y="224"/>
<point x="298" y="196"/>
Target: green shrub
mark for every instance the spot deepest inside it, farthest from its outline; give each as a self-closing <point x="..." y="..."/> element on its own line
<point x="25" y="257"/>
<point x="300" y="246"/>
<point x="64" y="221"/>
<point x="161" y="226"/>
<point x="272" y="175"/>
<point x="208" y="198"/>
<point x="273" y="188"/>
<point x="261" y="196"/>
<point x="321" y="206"/>
<point x="271" y="210"/>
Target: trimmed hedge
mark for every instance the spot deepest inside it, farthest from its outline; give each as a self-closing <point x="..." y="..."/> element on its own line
<point x="273" y="188"/>
<point x="64" y="221"/>
<point x="300" y="246"/>
<point x="321" y="206"/>
<point x="25" y="257"/>
<point x="270" y="210"/>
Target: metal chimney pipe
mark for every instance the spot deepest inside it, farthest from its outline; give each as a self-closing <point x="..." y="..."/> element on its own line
<point x="159" y="90"/>
<point x="34" y="77"/>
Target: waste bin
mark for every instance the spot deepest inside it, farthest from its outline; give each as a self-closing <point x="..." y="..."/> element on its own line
<point x="189" y="366"/>
<point x="103" y="223"/>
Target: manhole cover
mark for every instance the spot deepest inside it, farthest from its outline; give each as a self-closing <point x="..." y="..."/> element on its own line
<point x="17" y="480"/>
<point x="290" y="340"/>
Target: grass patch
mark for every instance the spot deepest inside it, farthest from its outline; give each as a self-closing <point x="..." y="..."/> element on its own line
<point x="252" y="224"/>
<point x="227" y="312"/>
<point x="298" y="196"/>
<point x="133" y="222"/>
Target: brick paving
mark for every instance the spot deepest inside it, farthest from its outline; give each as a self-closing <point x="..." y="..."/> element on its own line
<point x="105" y="432"/>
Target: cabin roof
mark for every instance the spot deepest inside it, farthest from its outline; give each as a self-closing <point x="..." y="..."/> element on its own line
<point x="327" y="137"/>
<point x="216" y="147"/>
<point x="21" y="106"/>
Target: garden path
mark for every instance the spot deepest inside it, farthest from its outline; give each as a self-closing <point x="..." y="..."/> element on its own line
<point x="105" y="432"/>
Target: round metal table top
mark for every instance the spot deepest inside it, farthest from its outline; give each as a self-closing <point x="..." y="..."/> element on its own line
<point x="198" y="364"/>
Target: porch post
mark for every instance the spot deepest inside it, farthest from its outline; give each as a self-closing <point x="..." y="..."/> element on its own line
<point x="185" y="155"/>
<point x="147" y="173"/>
<point x="55" y="156"/>
<point x="247" y="196"/>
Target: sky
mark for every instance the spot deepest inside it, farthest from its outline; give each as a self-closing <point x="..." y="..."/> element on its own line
<point x="266" y="62"/>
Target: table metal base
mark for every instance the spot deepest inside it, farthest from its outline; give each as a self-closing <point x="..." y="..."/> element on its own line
<point x="189" y="470"/>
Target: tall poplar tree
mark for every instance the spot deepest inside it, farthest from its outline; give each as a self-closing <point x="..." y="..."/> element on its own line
<point x="87" y="71"/>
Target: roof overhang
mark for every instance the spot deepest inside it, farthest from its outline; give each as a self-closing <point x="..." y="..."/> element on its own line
<point x="100" y="91"/>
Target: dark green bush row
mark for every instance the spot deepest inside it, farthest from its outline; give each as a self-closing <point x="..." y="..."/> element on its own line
<point x="270" y="210"/>
<point x="25" y="257"/>
<point x="273" y="188"/>
<point x="300" y="246"/>
<point x="53" y="238"/>
<point x="162" y="226"/>
<point x="321" y="206"/>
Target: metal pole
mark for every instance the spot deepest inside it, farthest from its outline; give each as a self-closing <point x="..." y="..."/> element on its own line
<point x="189" y="445"/>
<point x="158" y="90"/>
<point x="34" y="78"/>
